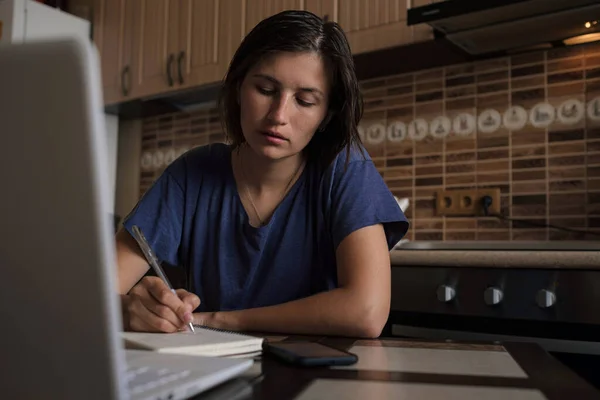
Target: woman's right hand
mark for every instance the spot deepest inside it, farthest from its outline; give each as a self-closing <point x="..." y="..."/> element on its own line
<point x="150" y="306"/>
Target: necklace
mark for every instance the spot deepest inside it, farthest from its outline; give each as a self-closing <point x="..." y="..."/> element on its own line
<point x="260" y="220"/>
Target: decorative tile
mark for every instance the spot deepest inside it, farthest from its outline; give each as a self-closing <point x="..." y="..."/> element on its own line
<point x="460" y="157"/>
<point x="567" y="135"/>
<point x="453" y="235"/>
<point x="528" y="82"/>
<point x="527" y="137"/>
<point x="429" y="236"/>
<point x="461" y="224"/>
<point x="429" y="75"/>
<point x="528" y="187"/>
<point x="530" y="151"/>
<point x="429" y="159"/>
<point x="429" y="170"/>
<point x="498" y="177"/>
<point x="492" y="223"/>
<point x="527" y="211"/>
<point x="426" y="191"/>
<point x="528" y="95"/>
<point x="564" y="77"/>
<point x="460" y="81"/>
<point x="567" y="185"/>
<point x="529" y="163"/>
<point x="429" y="224"/>
<point x="564" y="64"/>
<point x="459" y="92"/>
<point x="484" y="235"/>
<point x="562" y="173"/>
<point x="527" y="58"/>
<point x="423" y="87"/>
<point x="564" y="52"/>
<point x="592" y="73"/>
<point x="568" y="89"/>
<point x="528" y="175"/>
<point x="459" y="168"/>
<point x="398" y="183"/>
<point x="431" y="96"/>
<point x="456" y="70"/>
<point x="400" y="90"/>
<point x="492" y="87"/>
<point x="456" y="181"/>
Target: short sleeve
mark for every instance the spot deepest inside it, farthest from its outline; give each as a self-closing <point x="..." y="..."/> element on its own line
<point x="159" y="214"/>
<point x="358" y="197"/>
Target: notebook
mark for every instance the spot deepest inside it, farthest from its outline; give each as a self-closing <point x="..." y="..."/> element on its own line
<point x="205" y="342"/>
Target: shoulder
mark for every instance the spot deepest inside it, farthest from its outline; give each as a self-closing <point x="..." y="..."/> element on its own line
<point x="198" y="162"/>
<point x="350" y="160"/>
<point x="351" y="172"/>
<point x="356" y="196"/>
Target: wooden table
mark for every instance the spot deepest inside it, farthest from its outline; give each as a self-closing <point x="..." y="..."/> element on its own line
<point x="420" y="369"/>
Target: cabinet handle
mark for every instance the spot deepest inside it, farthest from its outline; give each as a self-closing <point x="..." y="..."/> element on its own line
<point x="169" y="75"/>
<point x="125" y="81"/>
<point x="326" y="18"/>
<point x="180" y="66"/>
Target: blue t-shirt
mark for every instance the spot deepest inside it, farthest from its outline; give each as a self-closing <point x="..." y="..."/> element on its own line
<point x="192" y="217"/>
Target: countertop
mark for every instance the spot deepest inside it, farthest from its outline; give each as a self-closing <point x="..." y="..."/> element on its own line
<point x="390" y="368"/>
<point x="564" y="254"/>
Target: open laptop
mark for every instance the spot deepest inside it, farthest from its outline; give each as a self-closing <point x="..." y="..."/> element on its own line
<point x="59" y="309"/>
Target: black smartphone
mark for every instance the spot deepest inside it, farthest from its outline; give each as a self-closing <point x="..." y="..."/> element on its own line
<point x="309" y="354"/>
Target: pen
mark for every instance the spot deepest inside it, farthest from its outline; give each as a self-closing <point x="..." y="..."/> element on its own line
<point x="153" y="261"/>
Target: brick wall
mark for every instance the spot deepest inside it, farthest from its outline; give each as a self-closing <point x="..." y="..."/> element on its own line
<point x="527" y="124"/>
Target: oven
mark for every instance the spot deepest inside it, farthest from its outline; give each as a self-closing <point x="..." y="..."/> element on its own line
<point x="557" y="308"/>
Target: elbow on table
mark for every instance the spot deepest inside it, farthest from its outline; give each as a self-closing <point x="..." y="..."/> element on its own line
<point x="371" y="323"/>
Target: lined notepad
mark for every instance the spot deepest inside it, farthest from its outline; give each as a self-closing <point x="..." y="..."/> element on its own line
<point x="205" y="342"/>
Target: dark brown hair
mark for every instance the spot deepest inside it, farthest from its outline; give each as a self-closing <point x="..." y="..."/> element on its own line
<point x="300" y="31"/>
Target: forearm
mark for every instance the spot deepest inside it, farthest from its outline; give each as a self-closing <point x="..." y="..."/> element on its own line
<point x="339" y="312"/>
<point x="131" y="263"/>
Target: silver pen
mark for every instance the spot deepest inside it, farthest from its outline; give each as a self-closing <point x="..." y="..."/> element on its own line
<point x="153" y="261"/>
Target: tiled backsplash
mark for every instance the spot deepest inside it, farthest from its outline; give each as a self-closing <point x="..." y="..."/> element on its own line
<point x="527" y="124"/>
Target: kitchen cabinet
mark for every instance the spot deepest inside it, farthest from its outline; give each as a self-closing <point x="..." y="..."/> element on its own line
<point x="257" y="10"/>
<point x="378" y="24"/>
<point x="209" y="35"/>
<point x="113" y="22"/>
<point x="151" y="47"/>
<point x="150" y="26"/>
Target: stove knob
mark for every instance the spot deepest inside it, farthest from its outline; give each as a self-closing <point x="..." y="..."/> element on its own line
<point x="493" y="296"/>
<point x="445" y="293"/>
<point x="545" y="298"/>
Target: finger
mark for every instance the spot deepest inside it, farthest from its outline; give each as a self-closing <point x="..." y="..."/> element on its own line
<point x="161" y="311"/>
<point x="189" y="298"/>
<point x="144" y="320"/>
<point x="161" y="292"/>
<point x="140" y="294"/>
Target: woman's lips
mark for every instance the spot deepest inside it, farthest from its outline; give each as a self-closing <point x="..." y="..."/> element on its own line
<point x="273" y="137"/>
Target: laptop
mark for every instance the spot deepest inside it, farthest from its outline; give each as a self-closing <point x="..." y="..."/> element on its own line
<point x="59" y="308"/>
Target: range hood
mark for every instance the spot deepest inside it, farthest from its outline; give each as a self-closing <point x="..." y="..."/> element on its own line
<point x="503" y="26"/>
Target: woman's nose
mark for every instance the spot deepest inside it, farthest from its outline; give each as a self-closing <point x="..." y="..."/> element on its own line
<point x="279" y="113"/>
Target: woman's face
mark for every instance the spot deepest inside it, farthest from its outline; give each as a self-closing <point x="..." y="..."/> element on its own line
<point x="283" y="101"/>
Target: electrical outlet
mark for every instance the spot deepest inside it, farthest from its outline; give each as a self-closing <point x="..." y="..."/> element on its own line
<point x="466" y="202"/>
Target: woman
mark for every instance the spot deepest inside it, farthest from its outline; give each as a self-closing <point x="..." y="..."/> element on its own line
<point x="287" y="228"/>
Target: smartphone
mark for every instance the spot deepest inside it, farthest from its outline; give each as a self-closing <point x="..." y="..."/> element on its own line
<point x="309" y="354"/>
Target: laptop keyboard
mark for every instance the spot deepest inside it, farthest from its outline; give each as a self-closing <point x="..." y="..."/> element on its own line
<point x="143" y="379"/>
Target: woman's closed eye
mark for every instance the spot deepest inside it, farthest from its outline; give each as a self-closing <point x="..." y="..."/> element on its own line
<point x="265" y="90"/>
<point x="304" y="103"/>
<point x="271" y="92"/>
